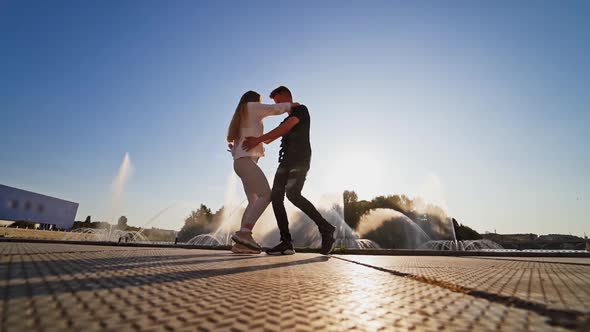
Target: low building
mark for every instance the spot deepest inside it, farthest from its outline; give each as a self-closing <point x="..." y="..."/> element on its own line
<point x="48" y="212"/>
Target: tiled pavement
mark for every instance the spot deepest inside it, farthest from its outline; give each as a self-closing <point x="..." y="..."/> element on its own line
<point x="83" y="288"/>
<point x="556" y="283"/>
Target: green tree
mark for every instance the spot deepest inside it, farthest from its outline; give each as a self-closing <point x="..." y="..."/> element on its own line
<point x="198" y="222"/>
<point x="350" y="200"/>
<point x="122" y="223"/>
<point x="463" y="232"/>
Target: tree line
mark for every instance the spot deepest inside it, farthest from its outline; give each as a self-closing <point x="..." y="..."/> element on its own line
<point x="429" y="217"/>
<point x="432" y="219"/>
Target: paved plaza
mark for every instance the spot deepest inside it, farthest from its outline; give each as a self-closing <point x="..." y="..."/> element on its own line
<point x="59" y="287"/>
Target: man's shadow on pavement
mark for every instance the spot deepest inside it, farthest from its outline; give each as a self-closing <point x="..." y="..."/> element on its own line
<point x="94" y="284"/>
<point x="64" y="267"/>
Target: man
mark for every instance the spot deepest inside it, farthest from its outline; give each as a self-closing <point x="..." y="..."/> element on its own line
<point x="294" y="162"/>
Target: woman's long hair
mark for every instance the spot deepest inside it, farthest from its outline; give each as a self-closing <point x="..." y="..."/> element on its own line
<point x="233" y="132"/>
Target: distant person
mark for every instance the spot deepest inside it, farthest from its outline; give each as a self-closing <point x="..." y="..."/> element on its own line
<point x="294" y="163"/>
<point x="247" y="121"/>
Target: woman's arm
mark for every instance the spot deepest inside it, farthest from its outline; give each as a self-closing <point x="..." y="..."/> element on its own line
<point x="261" y="111"/>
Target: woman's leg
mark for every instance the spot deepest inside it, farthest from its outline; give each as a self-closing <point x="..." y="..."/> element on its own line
<point x="241" y="168"/>
<point x="252" y="198"/>
<point x="257" y="190"/>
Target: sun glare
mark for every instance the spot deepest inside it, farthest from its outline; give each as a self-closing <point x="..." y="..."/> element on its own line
<point x="361" y="172"/>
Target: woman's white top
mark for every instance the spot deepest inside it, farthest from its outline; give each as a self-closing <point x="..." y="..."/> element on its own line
<point x="252" y="126"/>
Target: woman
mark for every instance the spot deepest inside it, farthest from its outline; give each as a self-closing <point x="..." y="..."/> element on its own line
<point x="247" y="121"/>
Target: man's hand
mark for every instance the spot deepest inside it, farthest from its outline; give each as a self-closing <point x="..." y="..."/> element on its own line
<point x="279" y="131"/>
<point x="250" y="143"/>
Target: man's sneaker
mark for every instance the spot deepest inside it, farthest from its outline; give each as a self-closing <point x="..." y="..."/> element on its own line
<point x="246" y="239"/>
<point x="328" y="240"/>
<point x="283" y="248"/>
<point x="242" y="249"/>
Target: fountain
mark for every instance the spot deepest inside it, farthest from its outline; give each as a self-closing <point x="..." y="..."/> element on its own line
<point x="110" y="233"/>
<point x="118" y="185"/>
<point x="207" y="240"/>
<point x="305" y="232"/>
<point x="230" y="218"/>
<point x="379" y="228"/>
<point x="152" y="219"/>
<point x="104" y="235"/>
<point x="385" y="228"/>
<point x="303" y="229"/>
<point x="392" y="229"/>
<point x="461" y="245"/>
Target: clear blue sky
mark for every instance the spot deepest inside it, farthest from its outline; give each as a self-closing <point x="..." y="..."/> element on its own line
<point x="482" y="107"/>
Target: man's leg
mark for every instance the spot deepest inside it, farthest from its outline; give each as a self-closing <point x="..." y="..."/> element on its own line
<point x="294" y="185"/>
<point x="278" y="202"/>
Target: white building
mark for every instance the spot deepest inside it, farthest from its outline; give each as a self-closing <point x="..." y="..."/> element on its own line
<point x="50" y="212"/>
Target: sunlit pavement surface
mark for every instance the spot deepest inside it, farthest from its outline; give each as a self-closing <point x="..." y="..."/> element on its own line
<point x="66" y="287"/>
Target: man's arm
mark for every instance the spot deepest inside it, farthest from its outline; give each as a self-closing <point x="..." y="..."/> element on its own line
<point x="285" y="127"/>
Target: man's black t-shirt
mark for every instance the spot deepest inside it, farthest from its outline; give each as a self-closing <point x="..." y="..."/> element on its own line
<point x="295" y="145"/>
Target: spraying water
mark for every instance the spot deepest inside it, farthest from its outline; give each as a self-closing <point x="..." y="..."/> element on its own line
<point x="392" y="229"/>
<point x="118" y="186"/>
<point x="152" y="219"/>
<point x="117" y="189"/>
<point x="303" y="229"/>
<point x="231" y="217"/>
<point x="306" y="234"/>
<point x="104" y="235"/>
<point x="395" y="226"/>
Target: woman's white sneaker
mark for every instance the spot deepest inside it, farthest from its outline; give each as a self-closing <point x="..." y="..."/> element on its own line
<point x="246" y="239"/>
<point x="242" y="249"/>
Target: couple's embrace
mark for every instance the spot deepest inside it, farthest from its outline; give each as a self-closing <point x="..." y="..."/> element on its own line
<point x="245" y="138"/>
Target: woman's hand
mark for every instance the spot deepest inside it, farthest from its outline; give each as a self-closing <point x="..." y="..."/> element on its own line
<point x="230" y="147"/>
<point x="250" y="143"/>
<point x="293" y="106"/>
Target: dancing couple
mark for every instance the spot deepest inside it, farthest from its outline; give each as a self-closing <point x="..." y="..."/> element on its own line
<point x="245" y="138"/>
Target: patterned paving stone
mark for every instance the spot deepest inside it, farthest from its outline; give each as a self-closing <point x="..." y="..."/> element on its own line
<point x="558" y="283"/>
<point x="47" y="287"/>
<point x="24" y="248"/>
<point x="561" y="260"/>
